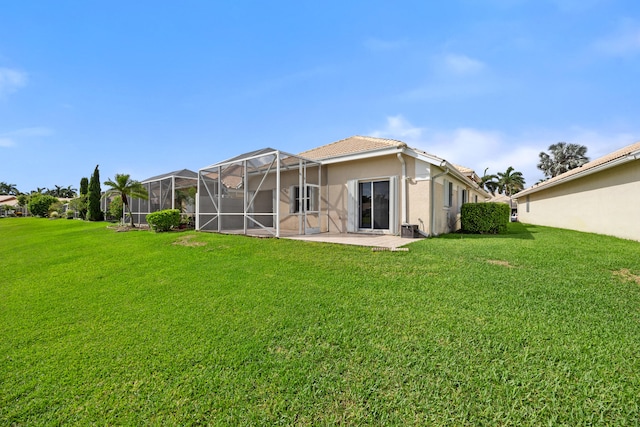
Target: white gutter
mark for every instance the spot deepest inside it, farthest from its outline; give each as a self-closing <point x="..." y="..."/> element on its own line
<point x="403" y="189"/>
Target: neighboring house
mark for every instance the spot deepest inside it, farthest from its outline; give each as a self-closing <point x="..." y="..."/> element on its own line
<point x="173" y="190"/>
<point x="8" y="205"/>
<point x="355" y="185"/>
<point x="503" y="198"/>
<point x="602" y="196"/>
<point x="9" y="200"/>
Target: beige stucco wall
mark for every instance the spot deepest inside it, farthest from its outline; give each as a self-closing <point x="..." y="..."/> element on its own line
<point x="288" y="221"/>
<point x="607" y="202"/>
<point x="418" y="190"/>
<point x="337" y="176"/>
<point x="333" y="216"/>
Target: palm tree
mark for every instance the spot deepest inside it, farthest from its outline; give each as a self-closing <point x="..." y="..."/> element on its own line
<point x="562" y="157"/>
<point x="489" y="182"/>
<point x="68" y="192"/>
<point x="125" y="187"/>
<point x="510" y="182"/>
<point x="8" y="189"/>
<point x="55" y="192"/>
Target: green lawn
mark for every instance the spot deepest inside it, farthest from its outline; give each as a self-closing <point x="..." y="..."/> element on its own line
<point x="537" y="327"/>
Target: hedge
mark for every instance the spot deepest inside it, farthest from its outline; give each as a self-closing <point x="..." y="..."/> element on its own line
<point x="484" y="218"/>
<point x="164" y="220"/>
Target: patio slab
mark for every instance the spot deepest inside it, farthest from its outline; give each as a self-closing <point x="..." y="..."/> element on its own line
<point x="379" y="241"/>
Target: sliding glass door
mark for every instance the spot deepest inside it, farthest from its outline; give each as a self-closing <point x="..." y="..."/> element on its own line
<point x="373" y="203"/>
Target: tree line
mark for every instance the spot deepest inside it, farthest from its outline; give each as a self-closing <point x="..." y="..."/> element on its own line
<point x="561" y="158"/>
<point x="87" y="204"/>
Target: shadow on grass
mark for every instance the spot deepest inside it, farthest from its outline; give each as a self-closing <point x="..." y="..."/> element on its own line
<point x="515" y="230"/>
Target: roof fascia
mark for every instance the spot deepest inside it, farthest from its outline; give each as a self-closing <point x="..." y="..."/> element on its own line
<point x="268" y="153"/>
<point x="464" y="178"/>
<point x="362" y="155"/>
<point x="635" y="155"/>
<point x="146" y="181"/>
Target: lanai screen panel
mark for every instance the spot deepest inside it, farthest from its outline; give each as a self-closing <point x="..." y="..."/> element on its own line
<point x="256" y="194"/>
<point x="175" y="190"/>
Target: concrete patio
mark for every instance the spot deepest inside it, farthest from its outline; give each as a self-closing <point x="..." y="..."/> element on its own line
<point x="378" y="241"/>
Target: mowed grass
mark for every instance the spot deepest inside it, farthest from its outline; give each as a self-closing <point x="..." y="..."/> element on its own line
<point x="537" y="327"/>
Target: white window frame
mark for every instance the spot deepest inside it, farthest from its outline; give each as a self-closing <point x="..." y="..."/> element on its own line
<point x="448" y="193"/>
<point x="309" y="200"/>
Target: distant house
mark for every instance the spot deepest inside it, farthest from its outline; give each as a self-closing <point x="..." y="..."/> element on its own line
<point x="9" y="200"/>
<point x="602" y="196"/>
<point x="8" y="205"/>
<point x="356" y="185"/>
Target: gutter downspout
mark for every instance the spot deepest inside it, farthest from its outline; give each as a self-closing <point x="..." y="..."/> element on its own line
<point x="403" y="189"/>
<point x="431" y="196"/>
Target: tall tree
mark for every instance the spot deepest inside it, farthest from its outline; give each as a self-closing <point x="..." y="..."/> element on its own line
<point x="84" y="186"/>
<point x="489" y="182"/>
<point x="562" y="157"/>
<point x="510" y="182"/>
<point x="81" y="204"/>
<point x="8" y="189"/>
<point x="94" y="213"/>
<point x="126" y="188"/>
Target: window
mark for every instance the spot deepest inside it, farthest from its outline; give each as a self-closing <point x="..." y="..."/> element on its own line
<point x="463" y="198"/>
<point x="448" y="193"/>
<point x="374" y="199"/>
<point x="372" y="205"/>
<point x="310" y="202"/>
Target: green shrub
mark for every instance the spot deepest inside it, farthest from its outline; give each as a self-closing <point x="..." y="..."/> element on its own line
<point x="164" y="220"/>
<point x="54" y="215"/>
<point x="39" y="204"/>
<point x="484" y="218"/>
<point x="71" y="213"/>
<point x="115" y="208"/>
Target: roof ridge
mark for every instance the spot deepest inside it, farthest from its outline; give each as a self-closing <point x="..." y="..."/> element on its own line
<point x="368" y="138"/>
<point x="607" y="158"/>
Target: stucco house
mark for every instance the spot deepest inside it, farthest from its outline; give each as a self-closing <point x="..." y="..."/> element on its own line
<point x="356" y="185"/>
<point x="602" y="196"/>
<point x="9" y="200"/>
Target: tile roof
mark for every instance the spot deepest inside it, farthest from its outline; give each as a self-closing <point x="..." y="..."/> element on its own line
<point x="8" y="200"/>
<point x="574" y="173"/>
<point x="184" y="173"/>
<point x="465" y="170"/>
<point x="353" y="145"/>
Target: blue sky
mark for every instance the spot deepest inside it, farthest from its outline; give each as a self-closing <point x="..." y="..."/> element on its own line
<point x="150" y="87"/>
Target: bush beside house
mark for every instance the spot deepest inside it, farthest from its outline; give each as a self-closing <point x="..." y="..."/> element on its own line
<point x="164" y="220"/>
<point x="484" y="218"/>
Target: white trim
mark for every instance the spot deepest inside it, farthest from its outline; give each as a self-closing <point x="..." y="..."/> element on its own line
<point x="352" y="205"/>
<point x="543" y="185"/>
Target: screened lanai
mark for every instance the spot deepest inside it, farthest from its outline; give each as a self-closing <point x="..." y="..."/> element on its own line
<point x="264" y="192"/>
<point x="173" y="190"/>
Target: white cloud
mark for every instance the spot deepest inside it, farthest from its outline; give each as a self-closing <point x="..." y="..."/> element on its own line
<point x="6" y="142"/>
<point x="481" y="148"/>
<point x="398" y="128"/>
<point x="626" y="41"/>
<point x="453" y="76"/>
<point x="461" y="64"/>
<point x="11" y="80"/>
<point x="8" y="139"/>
